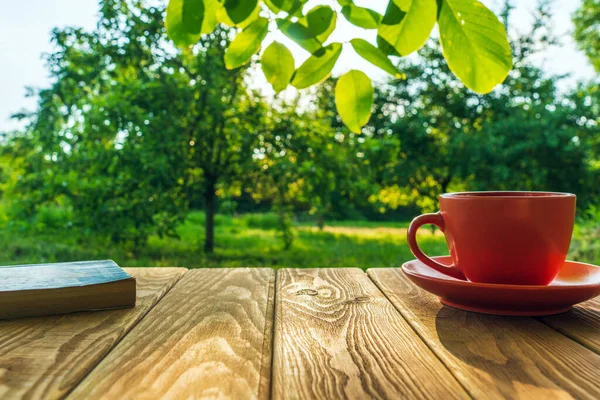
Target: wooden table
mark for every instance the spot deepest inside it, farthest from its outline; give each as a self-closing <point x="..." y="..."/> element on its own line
<point x="297" y="333"/>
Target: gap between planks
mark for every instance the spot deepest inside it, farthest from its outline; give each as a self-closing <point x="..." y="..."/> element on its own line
<point x="337" y="336"/>
<point x="45" y="357"/>
<point x="132" y="271"/>
<point x="492" y="356"/>
<point x="582" y="324"/>
<point x="209" y="337"/>
<point x="267" y="364"/>
<point x="265" y="385"/>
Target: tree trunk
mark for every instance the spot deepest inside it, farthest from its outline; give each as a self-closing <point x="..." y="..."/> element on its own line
<point x="321" y="221"/>
<point x="445" y="183"/>
<point x="209" y="209"/>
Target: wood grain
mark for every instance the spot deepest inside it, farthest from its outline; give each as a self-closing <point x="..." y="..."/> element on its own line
<point x="210" y="337"/>
<point x="46" y="357"/>
<point x="495" y="357"/>
<point x="337" y="336"/>
<point x="581" y="324"/>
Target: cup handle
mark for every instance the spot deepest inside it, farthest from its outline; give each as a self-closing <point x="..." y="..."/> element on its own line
<point x="437" y="220"/>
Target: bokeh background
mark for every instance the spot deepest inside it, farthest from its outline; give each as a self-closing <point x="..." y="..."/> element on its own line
<point x="116" y="145"/>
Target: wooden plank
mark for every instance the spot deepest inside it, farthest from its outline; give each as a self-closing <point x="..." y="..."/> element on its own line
<point x="337" y="336"/>
<point x="495" y="357"/>
<point x="209" y="337"/>
<point x="582" y="324"/>
<point x="46" y="357"/>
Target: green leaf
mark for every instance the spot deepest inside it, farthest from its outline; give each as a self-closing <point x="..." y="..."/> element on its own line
<point x="280" y="5"/>
<point x="317" y="67"/>
<point x="296" y="10"/>
<point x="361" y="17"/>
<point x="474" y="43"/>
<point x="292" y="7"/>
<point x="223" y="17"/>
<point x="375" y="56"/>
<point x="320" y="21"/>
<point x="353" y="99"/>
<point x="402" y="4"/>
<point x="184" y="21"/>
<point x="312" y="30"/>
<point x="278" y="65"/>
<point x="246" y="43"/>
<point x="299" y="34"/>
<point x="386" y="48"/>
<point x="239" y="10"/>
<point x="210" y="16"/>
<point x="407" y="29"/>
<point x="325" y="35"/>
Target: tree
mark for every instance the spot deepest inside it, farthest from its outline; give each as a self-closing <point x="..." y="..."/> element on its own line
<point x="587" y="30"/>
<point x="306" y="163"/>
<point x="131" y="129"/>
<point x="585" y="100"/>
<point x="473" y="40"/>
<point x="430" y="134"/>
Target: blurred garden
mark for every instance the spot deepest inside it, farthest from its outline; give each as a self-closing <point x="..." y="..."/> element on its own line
<point x="155" y="156"/>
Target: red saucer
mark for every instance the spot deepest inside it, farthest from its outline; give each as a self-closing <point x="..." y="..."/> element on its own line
<point x="576" y="282"/>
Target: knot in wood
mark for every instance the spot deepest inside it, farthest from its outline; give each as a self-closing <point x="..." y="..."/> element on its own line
<point x="360" y="299"/>
<point x="308" y="292"/>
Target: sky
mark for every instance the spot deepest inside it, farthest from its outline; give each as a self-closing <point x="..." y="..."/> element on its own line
<point x="25" y="27"/>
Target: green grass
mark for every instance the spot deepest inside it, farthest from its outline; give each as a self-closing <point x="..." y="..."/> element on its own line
<point x="246" y="241"/>
<point x="362" y="224"/>
<point x="251" y="241"/>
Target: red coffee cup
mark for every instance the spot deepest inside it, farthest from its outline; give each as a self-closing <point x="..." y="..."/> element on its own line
<point x="519" y="238"/>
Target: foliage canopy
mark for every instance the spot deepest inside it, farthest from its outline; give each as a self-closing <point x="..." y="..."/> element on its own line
<point x="130" y="129"/>
<point x="132" y="134"/>
<point x="587" y="30"/>
<point x="473" y="39"/>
